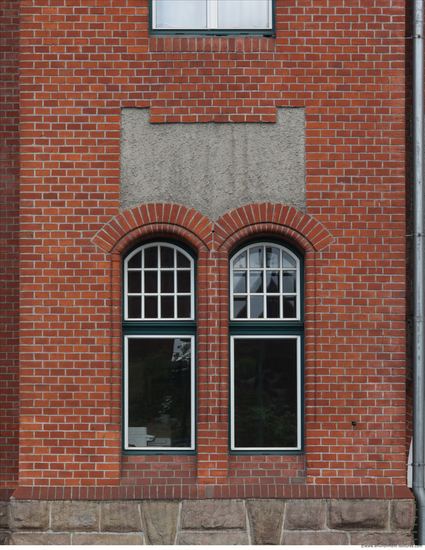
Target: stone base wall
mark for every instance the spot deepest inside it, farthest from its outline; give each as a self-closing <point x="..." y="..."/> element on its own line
<point x="225" y="522"/>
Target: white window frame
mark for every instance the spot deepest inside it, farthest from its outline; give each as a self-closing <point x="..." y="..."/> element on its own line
<point x="212" y="20"/>
<point x="281" y="294"/>
<point x="157" y="449"/>
<point x="232" y="393"/>
<point x="159" y="293"/>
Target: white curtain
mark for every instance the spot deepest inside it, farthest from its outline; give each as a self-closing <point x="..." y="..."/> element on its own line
<point x="181" y="14"/>
<point x="243" y="14"/>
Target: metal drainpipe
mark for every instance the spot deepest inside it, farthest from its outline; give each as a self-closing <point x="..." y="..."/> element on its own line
<point x="418" y="266"/>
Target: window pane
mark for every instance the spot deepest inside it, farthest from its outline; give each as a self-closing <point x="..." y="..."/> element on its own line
<point x="265" y="392"/>
<point x="243" y="14"/>
<point x="257" y="307"/>
<point x="289" y="281"/>
<point x="272" y="278"/>
<point x="151" y="307"/>
<point x="289" y="309"/>
<point x="167" y="281"/>
<point x="273" y="307"/>
<point x="151" y="281"/>
<point x="256" y="257"/>
<point x="135" y="261"/>
<point x="167" y="257"/>
<point x="272" y="257"/>
<point x="239" y="308"/>
<point x="134" y="281"/>
<point x="287" y="260"/>
<point x="159" y="392"/>
<point x="256" y="281"/>
<point x="239" y="281"/>
<point x="134" y="307"/>
<point x="183" y="281"/>
<point x="182" y="261"/>
<point x="181" y="14"/>
<point x="167" y="307"/>
<point x="240" y="261"/>
<point x="151" y="257"/>
<point x="183" y="307"/>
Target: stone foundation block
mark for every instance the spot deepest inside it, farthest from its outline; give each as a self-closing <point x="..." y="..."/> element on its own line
<point x="120" y="517"/>
<point x="160" y="521"/>
<point x="265" y="519"/>
<point x="358" y="515"/>
<point x="382" y="539"/>
<point x="39" y="539"/>
<point x="222" y="539"/>
<point x="4" y="537"/>
<point x="213" y="514"/>
<point x="106" y="539"/>
<point x="305" y="515"/>
<point x="29" y="516"/>
<point x="318" y="538"/>
<point x="4" y="519"/>
<point x="403" y="515"/>
<point x="75" y="516"/>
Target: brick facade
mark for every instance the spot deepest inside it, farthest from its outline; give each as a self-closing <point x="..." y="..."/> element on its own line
<point x="80" y="66"/>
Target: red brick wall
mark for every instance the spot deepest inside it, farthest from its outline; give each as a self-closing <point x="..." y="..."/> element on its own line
<point x="343" y="61"/>
<point x="9" y="243"/>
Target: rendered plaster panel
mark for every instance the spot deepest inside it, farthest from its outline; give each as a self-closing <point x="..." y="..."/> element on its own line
<point x="213" y="167"/>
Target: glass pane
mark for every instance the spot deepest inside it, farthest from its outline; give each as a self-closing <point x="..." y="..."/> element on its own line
<point x="151" y="307"/>
<point x="181" y="14"/>
<point x="151" y="281"/>
<point x="183" y="281"/>
<point x="183" y="307"/>
<point x="239" y="308"/>
<point x="167" y="257"/>
<point x="257" y="307"/>
<point x="243" y="14"/>
<point x="273" y="307"/>
<point x="151" y="257"/>
<point x="167" y="281"/>
<point x="289" y="281"/>
<point x="289" y="308"/>
<point x="167" y="307"/>
<point x="239" y="281"/>
<point x="287" y="260"/>
<point x="135" y="261"/>
<point x="182" y="261"/>
<point x="159" y="392"/>
<point x="256" y="257"/>
<point x="265" y="378"/>
<point x="240" y="261"/>
<point x="272" y="257"/>
<point x="134" y="307"/>
<point x="134" y="281"/>
<point x="256" y="281"/>
<point x="272" y="278"/>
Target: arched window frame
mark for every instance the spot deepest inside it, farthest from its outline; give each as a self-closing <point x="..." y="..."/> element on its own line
<point x="136" y="329"/>
<point x="247" y="331"/>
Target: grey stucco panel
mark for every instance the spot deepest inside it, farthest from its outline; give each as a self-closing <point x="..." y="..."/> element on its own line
<point x="213" y="167"/>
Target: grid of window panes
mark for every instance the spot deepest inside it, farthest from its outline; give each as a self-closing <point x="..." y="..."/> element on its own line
<point x="212" y="14"/>
<point x="265" y="283"/>
<point x="159" y="283"/>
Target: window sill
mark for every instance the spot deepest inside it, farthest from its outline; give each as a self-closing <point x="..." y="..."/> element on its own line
<point x="170" y="41"/>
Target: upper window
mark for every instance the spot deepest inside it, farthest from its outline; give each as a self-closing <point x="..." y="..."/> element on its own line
<point x="266" y="333"/>
<point x="214" y="16"/>
<point x="159" y="349"/>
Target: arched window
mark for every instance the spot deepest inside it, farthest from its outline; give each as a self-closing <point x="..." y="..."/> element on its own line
<point x="159" y="349"/>
<point x="266" y="332"/>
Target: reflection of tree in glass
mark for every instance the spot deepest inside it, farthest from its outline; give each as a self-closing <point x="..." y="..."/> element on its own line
<point x="159" y="383"/>
<point x="265" y="395"/>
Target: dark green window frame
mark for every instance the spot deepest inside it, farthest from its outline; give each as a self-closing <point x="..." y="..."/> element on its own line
<point x="176" y="329"/>
<point x="269" y="31"/>
<point x="256" y="330"/>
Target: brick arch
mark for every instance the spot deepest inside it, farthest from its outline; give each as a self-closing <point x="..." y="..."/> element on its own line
<point x="155" y="219"/>
<point x="270" y="219"/>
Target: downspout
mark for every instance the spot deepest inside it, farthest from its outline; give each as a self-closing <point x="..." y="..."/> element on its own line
<point x="418" y="266"/>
